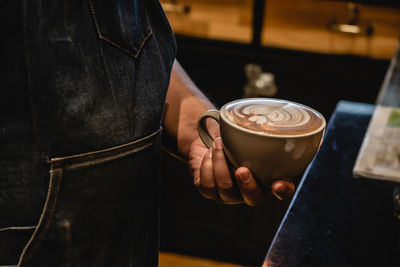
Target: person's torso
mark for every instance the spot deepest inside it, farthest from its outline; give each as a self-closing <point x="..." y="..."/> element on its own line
<point x="82" y="102"/>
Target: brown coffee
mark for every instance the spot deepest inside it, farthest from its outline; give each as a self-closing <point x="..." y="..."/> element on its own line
<point x="273" y="116"/>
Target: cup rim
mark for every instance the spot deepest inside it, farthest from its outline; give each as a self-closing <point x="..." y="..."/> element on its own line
<point x="319" y="129"/>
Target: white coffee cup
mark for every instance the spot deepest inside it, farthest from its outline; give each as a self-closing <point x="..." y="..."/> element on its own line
<point x="274" y="138"/>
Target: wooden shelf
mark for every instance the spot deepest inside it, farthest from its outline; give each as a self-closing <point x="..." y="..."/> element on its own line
<point x="294" y="25"/>
<point x="302" y="25"/>
<point x="229" y="20"/>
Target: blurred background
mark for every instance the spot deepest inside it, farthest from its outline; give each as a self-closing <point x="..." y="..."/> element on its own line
<point x="315" y="52"/>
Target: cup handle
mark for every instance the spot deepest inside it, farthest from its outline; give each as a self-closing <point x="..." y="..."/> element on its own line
<point x="202" y="126"/>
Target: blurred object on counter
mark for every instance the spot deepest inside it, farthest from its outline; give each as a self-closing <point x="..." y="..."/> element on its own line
<point x="259" y="84"/>
<point x="173" y="7"/>
<point x="352" y="25"/>
<point x="379" y="156"/>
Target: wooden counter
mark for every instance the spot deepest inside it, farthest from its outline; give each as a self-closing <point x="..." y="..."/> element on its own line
<point x="334" y="219"/>
<point x="309" y="25"/>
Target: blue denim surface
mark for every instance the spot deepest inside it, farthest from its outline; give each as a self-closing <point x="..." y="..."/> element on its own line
<point x="81" y="76"/>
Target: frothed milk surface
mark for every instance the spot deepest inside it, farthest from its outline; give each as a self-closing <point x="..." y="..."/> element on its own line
<point x="273" y="116"/>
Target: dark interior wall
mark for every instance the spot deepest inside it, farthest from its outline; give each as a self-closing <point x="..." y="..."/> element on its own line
<point x="317" y="80"/>
<point x="196" y="226"/>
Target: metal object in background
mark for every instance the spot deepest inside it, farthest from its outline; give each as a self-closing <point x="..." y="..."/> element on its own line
<point x="259" y="84"/>
<point x="174" y="7"/>
<point x="353" y="25"/>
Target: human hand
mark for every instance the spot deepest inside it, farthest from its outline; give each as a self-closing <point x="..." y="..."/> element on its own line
<point x="217" y="181"/>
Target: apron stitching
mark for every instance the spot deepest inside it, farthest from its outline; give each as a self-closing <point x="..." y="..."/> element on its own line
<point x="100" y="156"/>
<point x="101" y="160"/>
<point x="17" y="228"/>
<point x="45" y="217"/>
<point x="101" y="36"/>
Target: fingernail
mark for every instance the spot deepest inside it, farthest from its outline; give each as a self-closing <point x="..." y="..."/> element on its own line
<point x="279" y="191"/>
<point x="218" y="143"/>
<point x="282" y="190"/>
<point x="209" y="153"/>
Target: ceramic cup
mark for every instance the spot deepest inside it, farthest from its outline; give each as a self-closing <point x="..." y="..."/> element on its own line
<point x="274" y="138"/>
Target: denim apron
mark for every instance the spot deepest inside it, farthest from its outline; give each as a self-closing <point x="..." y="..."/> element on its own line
<point x="82" y="98"/>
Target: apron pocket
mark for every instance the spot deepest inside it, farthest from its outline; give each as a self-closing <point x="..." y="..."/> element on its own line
<point x="118" y="24"/>
<point x="101" y="209"/>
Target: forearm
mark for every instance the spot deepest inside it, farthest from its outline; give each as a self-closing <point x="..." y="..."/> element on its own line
<point x="184" y="105"/>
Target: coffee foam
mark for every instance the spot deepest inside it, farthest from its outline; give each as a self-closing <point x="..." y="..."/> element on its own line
<point x="273" y="116"/>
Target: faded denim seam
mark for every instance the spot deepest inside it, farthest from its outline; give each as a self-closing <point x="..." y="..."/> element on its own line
<point x="101" y="36"/>
<point x="100" y="156"/>
<point x="13" y="228"/>
<point x="45" y="217"/>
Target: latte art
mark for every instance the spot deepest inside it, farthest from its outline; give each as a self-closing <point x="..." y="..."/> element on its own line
<point x="273" y="116"/>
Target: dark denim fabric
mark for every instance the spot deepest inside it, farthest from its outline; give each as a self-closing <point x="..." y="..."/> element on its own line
<point x="85" y="82"/>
